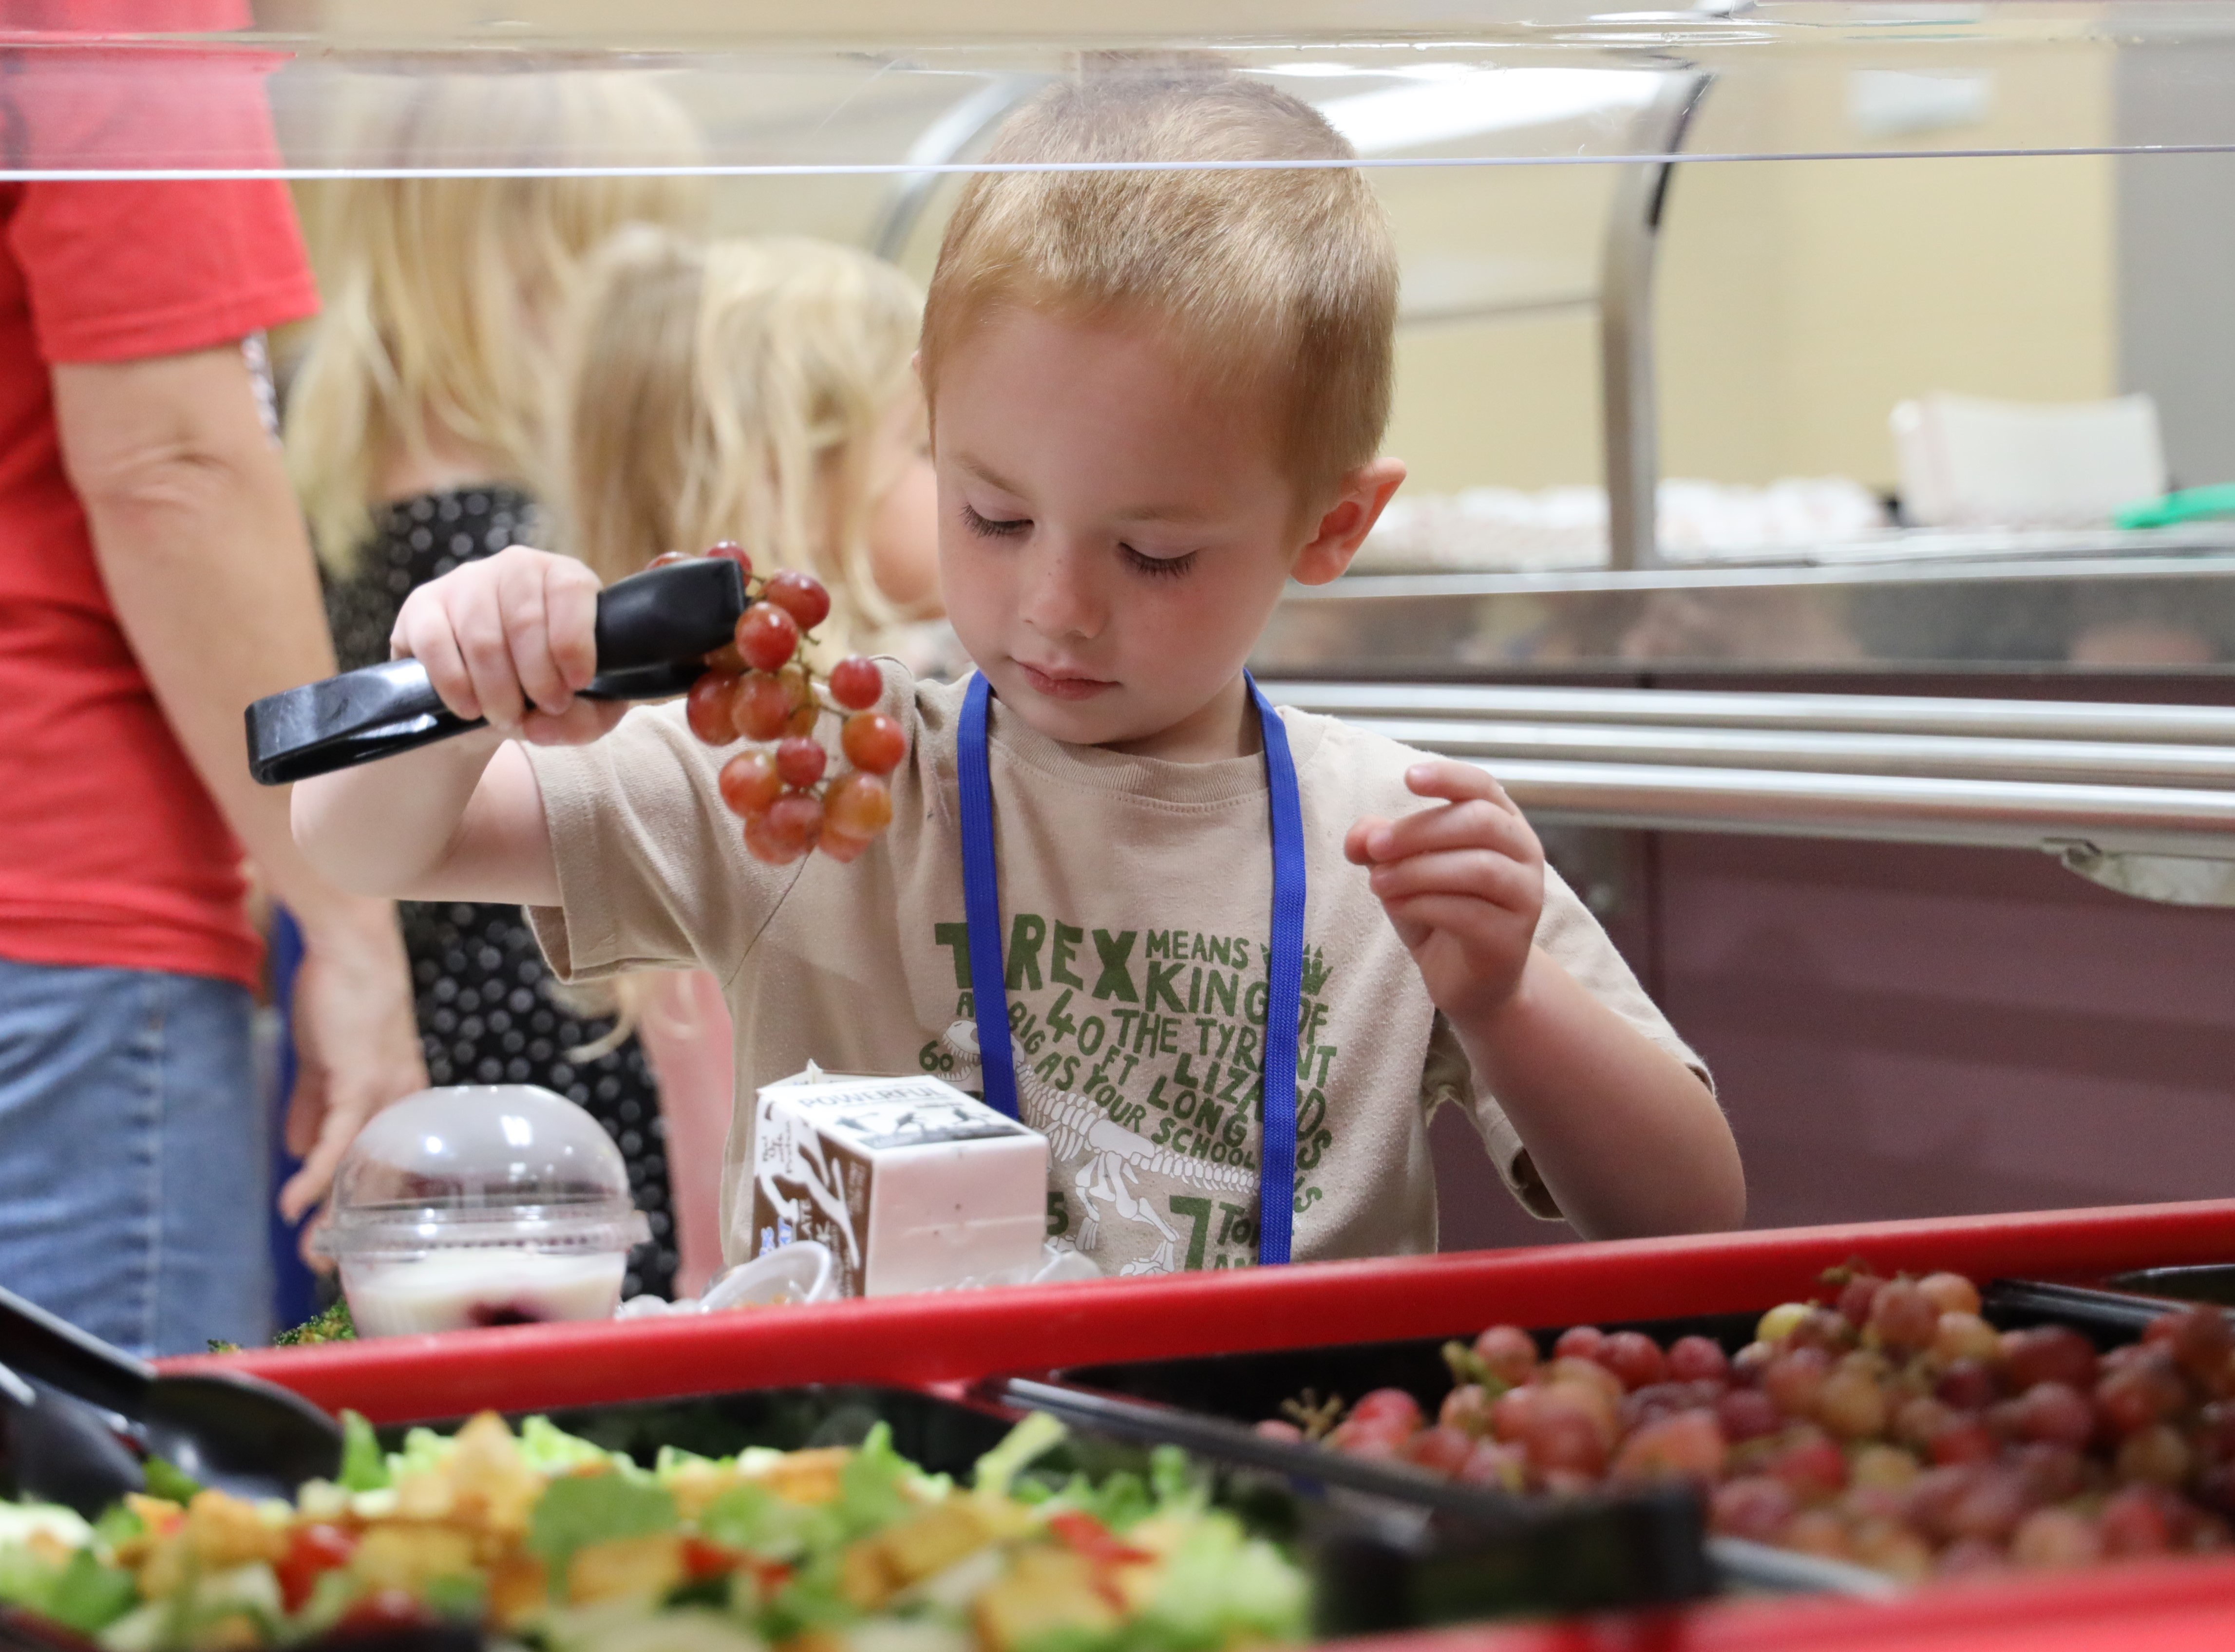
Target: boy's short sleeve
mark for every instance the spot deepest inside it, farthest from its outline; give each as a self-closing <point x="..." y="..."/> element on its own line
<point x="1567" y="932"/>
<point x="652" y="869"/>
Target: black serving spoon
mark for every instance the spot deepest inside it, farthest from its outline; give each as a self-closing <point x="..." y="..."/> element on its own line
<point x="654" y="631"/>
<point x="235" y="1433"/>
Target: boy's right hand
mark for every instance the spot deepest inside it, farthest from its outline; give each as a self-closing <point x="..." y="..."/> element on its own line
<point x="511" y="638"/>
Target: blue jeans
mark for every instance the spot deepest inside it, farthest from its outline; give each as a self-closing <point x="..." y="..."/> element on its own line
<point x="134" y="1156"/>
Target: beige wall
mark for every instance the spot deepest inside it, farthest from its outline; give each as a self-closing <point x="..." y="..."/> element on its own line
<point x="1800" y="300"/>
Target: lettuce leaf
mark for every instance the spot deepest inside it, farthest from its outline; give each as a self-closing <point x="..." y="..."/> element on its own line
<point x="583" y="1508"/>
<point x="1033" y="1438"/>
<point x="364" y="1466"/>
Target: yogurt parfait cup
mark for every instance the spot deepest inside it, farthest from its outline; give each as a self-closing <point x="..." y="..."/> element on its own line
<point x="481" y="1205"/>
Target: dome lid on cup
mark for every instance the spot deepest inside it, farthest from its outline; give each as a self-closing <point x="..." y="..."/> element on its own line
<point x="482" y="1164"/>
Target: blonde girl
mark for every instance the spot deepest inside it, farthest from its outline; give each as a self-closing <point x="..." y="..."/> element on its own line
<point x="758" y="390"/>
<point x="432" y="364"/>
<point x="415" y="426"/>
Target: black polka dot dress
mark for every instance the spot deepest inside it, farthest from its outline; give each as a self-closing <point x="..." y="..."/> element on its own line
<point x="488" y="1011"/>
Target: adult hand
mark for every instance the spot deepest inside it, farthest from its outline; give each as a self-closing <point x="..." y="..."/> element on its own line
<point x="1464" y="883"/>
<point x="357" y="1040"/>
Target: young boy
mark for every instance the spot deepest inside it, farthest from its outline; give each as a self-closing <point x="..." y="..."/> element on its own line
<point x="1157" y="397"/>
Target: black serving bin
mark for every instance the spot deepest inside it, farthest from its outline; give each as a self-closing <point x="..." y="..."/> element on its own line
<point x="1377" y="1562"/>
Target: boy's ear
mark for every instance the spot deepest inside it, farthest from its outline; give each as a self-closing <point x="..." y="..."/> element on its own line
<point x="1345" y="524"/>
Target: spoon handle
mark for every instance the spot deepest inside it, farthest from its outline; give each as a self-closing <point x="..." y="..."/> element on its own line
<point x="40" y="1345"/>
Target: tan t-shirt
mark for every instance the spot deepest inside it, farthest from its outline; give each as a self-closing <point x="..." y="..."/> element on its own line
<point x="1136" y="900"/>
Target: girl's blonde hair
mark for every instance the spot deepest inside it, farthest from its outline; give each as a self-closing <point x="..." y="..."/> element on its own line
<point x="734" y="391"/>
<point x="439" y="292"/>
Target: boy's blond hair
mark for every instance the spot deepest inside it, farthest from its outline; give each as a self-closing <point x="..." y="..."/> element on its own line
<point x="436" y="289"/>
<point x="1277" y="283"/>
<point x="734" y="389"/>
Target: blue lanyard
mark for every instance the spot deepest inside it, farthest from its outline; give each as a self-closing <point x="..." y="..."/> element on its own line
<point x="981" y="906"/>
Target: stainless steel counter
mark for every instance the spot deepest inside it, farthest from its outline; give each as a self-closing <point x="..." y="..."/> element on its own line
<point x="2153" y="602"/>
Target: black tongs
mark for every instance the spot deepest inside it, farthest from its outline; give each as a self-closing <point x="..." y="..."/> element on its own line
<point x="654" y="631"/>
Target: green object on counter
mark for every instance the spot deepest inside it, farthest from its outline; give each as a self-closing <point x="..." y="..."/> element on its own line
<point x="2190" y="505"/>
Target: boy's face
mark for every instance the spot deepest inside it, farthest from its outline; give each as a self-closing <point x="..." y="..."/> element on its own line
<point x="1111" y="541"/>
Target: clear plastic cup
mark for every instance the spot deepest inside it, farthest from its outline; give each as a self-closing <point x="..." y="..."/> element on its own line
<point x="479" y="1205"/>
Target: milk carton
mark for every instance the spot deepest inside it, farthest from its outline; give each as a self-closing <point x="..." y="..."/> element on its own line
<point x="912" y="1184"/>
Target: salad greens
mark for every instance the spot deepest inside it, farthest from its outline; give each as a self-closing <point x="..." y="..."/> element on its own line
<point x="554" y="1542"/>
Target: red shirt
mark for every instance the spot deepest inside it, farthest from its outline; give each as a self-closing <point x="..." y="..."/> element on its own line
<point x="111" y="851"/>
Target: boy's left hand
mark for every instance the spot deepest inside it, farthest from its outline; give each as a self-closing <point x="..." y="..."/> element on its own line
<point x="1464" y="883"/>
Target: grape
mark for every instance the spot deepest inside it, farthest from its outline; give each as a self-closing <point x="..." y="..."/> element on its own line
<point x="1818" y="1531"/>
<point x="734" y="552"/>
<point x="1280" y="1429"/>
<point x="1964" y="1440"/>
<point x="1750" y="1361"/>
<point x="707" y="709"/>
<point x="1889" y="1546"/>
<point x="1904" y="1316"/>
<point x="1883" y="1468"/>
<point x="799" y="595"/>
<point x="1657" y="1400"/>
<point x="1567" y="1430"/>
<point x="767" y="636"/>
<point x="1917" y="1420"/>
<point x="2215" y="1431"/>
<point x="1856" y="1297"/>
<point x="1778" y="1322"/>
<point x="1795" y="1380"/>
<point x="2052" y="1412"/>
<point x="2051" y="1472"/>
<point x="837" y="845"/>
<point x="1466" y="1408"/>
<point x="2048" y="1354"/>
<point x="1968" y="1385"/>
<point x="1496" y="1464"/>
<point x="1989" y="1506"/>
<point x="861" y="806"/>
<point x="2156" y="1455"/>
<point x="855" y="683"/>
<point x="1439" y="1449"/>
<point x="750" y="782"/>
<point x="1508" y="1351"/>
<point x="1963" y="1335"/>
<point x="759" y="706"/>
<point x="2134" y="1523"/>
<point x="1821" y="1328"/>
<point x="1811" y="1465"/>
<point x="2200" y="1341"/>
<point x="1588" y="1374"/>
<point x="1950" y="1293"/>
<point x="1509" y="1412"/>
<point x="874" y="742"/>
<point x="1972" y="1557"/>
<point x="1852" y="1405"/>
<point x="669" y="559"/>
<point x="1686" y="1446"/>
<point x="2139" y="1394"/>
<point x="801" y="722"/>
<point x="801" y="761"/>
<point x="1634" y="1357"/>
<point x="1697" y="1359"/>
<point x="727" y="660"/>
<point x="1755" y="1506"/>
<point x="1749" y="1414"/>
<point x="1578" y="1342"/>
<point x="2057" y="1540"/>
<point x="1391" y="1404"/>
<point x="786" y="830"/>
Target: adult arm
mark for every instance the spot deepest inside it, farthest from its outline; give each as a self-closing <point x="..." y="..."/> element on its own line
<point x="203" y="553"/>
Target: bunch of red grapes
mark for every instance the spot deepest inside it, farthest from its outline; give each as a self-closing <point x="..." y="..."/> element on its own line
<point x="758" y="688"/>
<point x="1888" y="1425"/>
